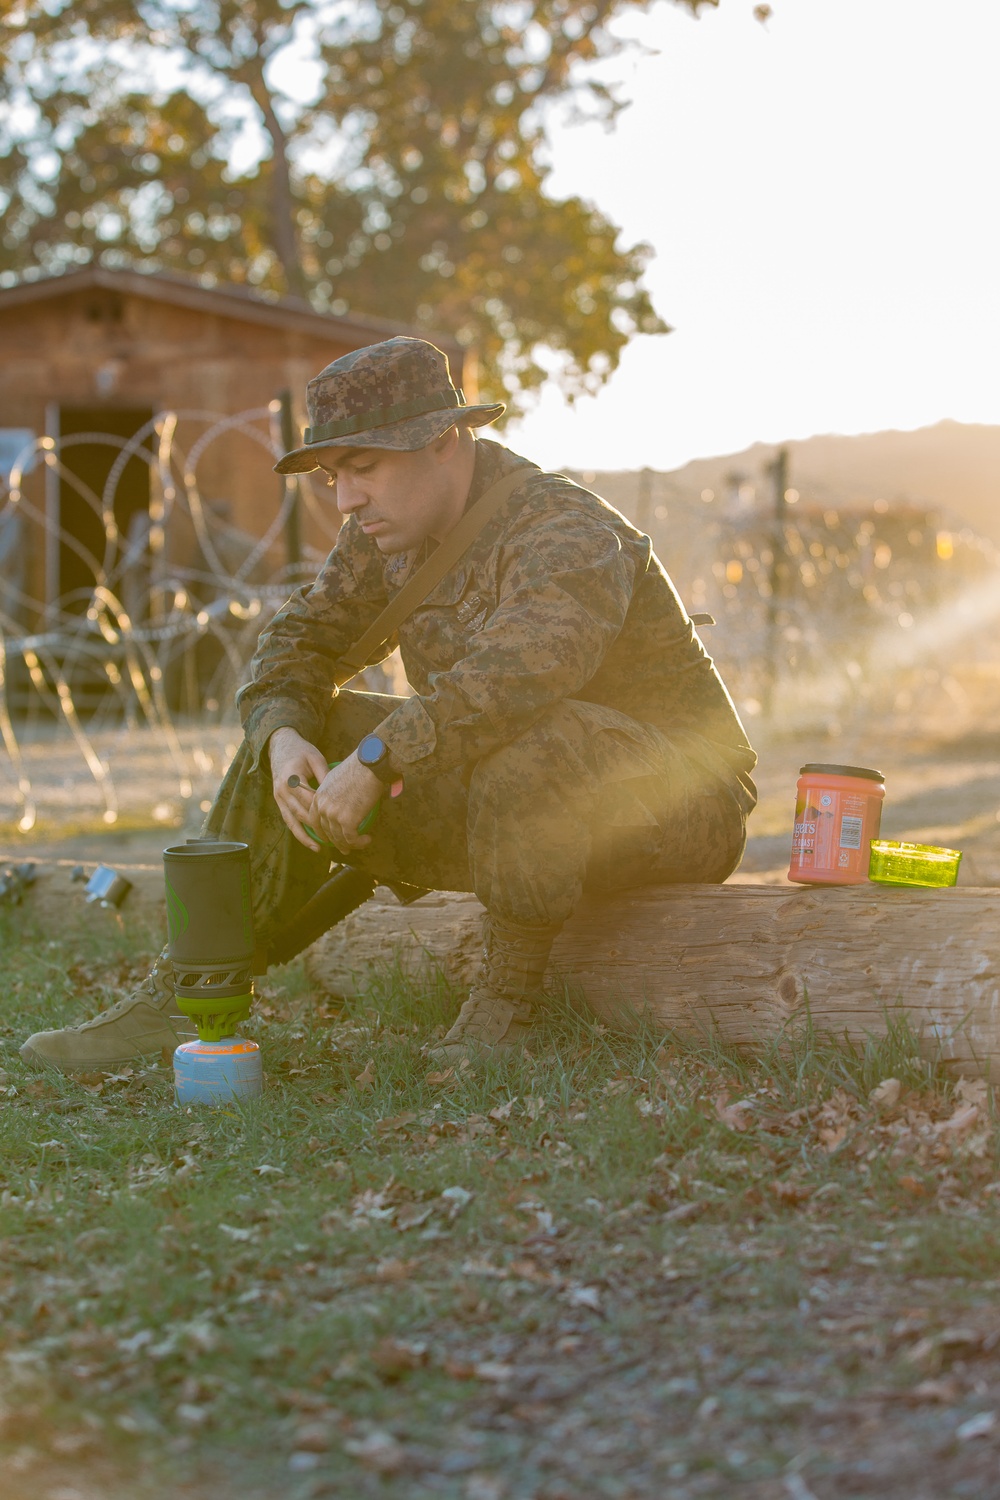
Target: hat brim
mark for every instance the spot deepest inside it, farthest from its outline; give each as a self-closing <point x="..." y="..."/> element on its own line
<point x="404" y="437"/>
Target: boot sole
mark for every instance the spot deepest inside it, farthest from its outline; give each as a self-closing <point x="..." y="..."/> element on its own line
<point x="42" y="1064"/>
<point x="456" y="1051"/>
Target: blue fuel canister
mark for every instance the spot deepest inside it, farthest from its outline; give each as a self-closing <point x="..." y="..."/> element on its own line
<point x="217" y="1072"/>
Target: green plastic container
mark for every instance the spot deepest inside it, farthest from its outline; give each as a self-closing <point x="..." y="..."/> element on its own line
<point x="895" y="863"/>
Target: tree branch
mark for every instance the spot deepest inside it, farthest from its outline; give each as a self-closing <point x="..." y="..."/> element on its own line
<point x="286" y="240"/>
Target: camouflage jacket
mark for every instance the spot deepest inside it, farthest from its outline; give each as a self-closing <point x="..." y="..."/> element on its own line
<point x="558" y="597"/>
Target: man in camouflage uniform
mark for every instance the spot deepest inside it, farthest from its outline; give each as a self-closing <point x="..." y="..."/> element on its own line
<point x="566" y="730"/>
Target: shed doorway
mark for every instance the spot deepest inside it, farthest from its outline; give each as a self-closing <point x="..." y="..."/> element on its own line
<point x="82" y="543"/>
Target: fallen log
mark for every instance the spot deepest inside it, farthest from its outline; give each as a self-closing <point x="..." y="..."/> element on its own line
<point x="741" y="961"/>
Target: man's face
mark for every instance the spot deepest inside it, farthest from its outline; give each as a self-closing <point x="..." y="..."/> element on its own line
<point x="399" y="499"/>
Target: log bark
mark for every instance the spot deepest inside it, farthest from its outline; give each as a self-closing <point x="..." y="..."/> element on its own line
<point x="742" y="961"/>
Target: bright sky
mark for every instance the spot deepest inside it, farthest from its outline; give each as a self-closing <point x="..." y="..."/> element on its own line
<point x="821" y="194"/>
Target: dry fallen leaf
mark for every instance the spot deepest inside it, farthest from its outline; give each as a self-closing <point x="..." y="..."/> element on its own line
<point x="664" y="1063"/>
<point x="973" y="1091"/>
<point x="502" y="1111"/>
<point x="528" y="1270"/>
<point x="412" y="1215"/>
<point x="944" y="1391"/>
<point x="394" y="1358"/>
<point x="313" y="1437"/>
<point x="925" y="1354"/>
<point x="481" y="1486"/>
<point x="584" y="1296"/>
<point x="789" y="1194"/>
<point x="957" y="1124"/>
<point x="72" y="1444"/>
<point x="832" y="1137"/>
<point x="307" y="1401"/>
<point x="736" y="1116"/>
<point x="977" y="1426"/>
<point x="913" y="1186"/>
<point x="960" y="1338"/>
<point x="887" y="1093"/>
<point x="379" y="1451"/>
<point x="394" y="1270"/>
<point x="235" y="1232"/>
<point x="545" y="1221"/>
<point x="191" y="1414"/>
<point x="436" y="1079"/>
<point x="456" y="1198"/>
<point x="371" y="1204"/>
<point x="396" y="1122"/>
<point x="493" y="1370"/>
<point x="366" y="1079"/>
<point x="685" y="1211"/>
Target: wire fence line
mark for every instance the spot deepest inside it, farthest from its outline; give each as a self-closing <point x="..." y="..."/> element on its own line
<point x="153" y="636"/>
<point x="852" y="608"/>
<point x="820" y="611"/>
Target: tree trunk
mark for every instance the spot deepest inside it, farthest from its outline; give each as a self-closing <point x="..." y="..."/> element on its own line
<point x="286" y="240"/>
<point x="742" y="961"/>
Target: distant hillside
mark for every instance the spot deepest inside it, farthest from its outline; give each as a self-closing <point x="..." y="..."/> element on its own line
<point x="953" y="467"/>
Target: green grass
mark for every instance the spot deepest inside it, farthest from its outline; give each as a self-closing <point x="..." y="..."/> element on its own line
<point x="238" y="1299"/>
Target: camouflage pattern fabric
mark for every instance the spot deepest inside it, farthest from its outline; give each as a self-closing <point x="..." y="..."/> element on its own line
<point x="396" y="394"/>
<point x="567" y="728"/>
<point x="558" y="597"/>
<point x="584" y="797"/>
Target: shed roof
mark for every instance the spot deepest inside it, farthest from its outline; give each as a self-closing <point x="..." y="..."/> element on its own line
<point x="228" y="301"/>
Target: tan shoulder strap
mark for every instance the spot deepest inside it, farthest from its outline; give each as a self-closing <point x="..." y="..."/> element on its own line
<point x="429" y="574"/>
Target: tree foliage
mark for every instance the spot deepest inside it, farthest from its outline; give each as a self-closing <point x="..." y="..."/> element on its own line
<point x="383" y="155"/>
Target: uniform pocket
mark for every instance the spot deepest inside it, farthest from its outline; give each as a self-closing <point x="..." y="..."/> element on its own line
<point x="439" y="631"/>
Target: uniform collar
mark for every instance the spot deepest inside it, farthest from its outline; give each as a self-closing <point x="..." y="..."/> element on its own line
<point x="492" y="461"/>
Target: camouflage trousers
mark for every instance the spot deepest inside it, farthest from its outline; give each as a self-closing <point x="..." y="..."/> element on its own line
<point x="586" y="798"/>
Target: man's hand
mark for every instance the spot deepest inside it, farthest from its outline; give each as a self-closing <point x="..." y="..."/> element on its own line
<point x="345" y="796"/>
<point x="292" y="756"/>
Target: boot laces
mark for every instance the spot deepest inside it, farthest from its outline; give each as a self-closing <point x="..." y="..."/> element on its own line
<point x="156" y="985"/>
<point x="514" y="960"/>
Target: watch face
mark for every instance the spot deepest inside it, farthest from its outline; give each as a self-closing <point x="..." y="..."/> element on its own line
<point x="371" y="751"/>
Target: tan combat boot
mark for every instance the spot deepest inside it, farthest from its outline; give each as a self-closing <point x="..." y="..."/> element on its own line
<point x="137" y="1026"/>
<point x="503" y="1004"/>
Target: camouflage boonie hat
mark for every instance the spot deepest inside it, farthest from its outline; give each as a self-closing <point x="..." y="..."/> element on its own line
<point x="397" y="394"/>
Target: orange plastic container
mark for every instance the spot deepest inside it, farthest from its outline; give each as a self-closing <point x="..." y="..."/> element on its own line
<point x="838" y="811"/>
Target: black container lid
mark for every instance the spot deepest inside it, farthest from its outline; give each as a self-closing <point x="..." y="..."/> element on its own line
<point x="824" y="770"/>
<point x="201" y="847"/>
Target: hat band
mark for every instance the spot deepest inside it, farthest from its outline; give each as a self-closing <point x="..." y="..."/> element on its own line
<point x="382" y="416"/>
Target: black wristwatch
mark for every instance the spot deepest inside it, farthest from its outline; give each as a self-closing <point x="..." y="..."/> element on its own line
<point x="374" y="753"/>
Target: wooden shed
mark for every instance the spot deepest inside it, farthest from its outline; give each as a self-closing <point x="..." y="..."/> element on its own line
<point x="107" y="352"/>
